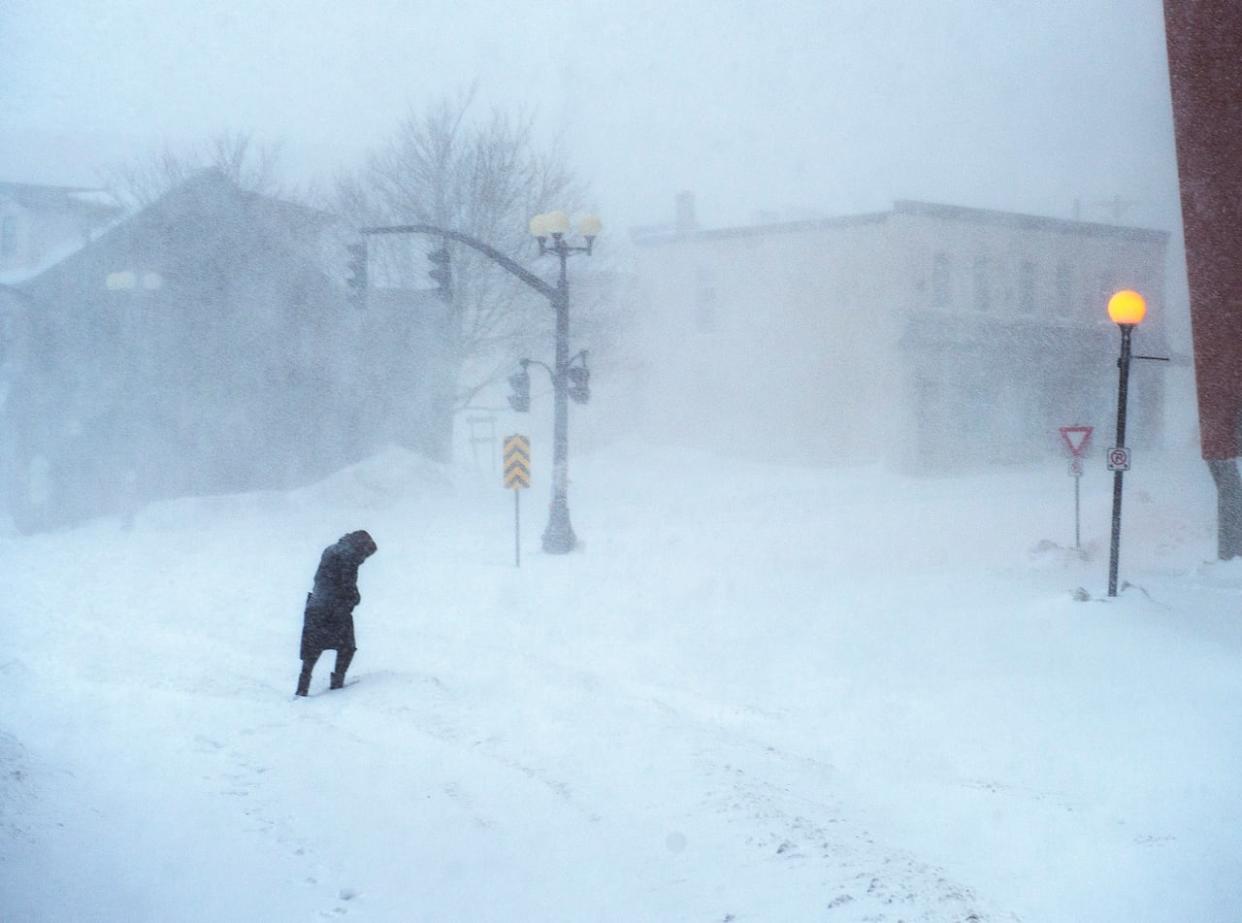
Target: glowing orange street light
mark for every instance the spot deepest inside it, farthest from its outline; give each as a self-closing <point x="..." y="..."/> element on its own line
<point x="1127" y="307"/>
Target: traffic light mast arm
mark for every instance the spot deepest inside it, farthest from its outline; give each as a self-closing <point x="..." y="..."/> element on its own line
<point x="524" y="363"/>
<point x="547" y="368"/>
<point x="548" y="291"/>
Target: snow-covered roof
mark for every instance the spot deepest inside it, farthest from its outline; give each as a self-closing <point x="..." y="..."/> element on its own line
<point x="57" y="254"/>
<point x="208" y="182"/>
<point x="58" y="198"/>
<point x="660" y="234"/>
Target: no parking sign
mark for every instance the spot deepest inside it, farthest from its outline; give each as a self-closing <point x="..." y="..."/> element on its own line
<point x="1118" y="458"/>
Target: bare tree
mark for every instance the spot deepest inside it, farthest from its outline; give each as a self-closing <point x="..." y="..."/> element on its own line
<point x="483" y="175"/>
<point x="250" y="165"/>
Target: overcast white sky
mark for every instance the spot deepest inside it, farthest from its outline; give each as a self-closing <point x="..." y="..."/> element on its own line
<point x="778" y="105"/>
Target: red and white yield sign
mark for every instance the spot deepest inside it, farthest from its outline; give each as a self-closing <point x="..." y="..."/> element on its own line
<point x="1077" y="438"/>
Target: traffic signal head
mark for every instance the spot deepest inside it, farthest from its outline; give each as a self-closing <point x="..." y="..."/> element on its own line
<point x="519" y="400"/>
<point x="579" y="384"/>
<point x="441" y="272"/>
<point x="357" y="269"/>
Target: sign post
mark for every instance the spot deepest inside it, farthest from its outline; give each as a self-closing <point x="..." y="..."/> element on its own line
<point x="1076" y="439"/>
<point x="517" y="479"/>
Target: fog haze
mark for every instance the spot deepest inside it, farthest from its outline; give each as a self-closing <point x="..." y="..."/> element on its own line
<point x="826" y="107"/>
<point x="834" y="398"/>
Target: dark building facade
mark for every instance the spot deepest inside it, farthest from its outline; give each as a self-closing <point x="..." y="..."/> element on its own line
<point x="207" y="344"/>
<point x="1205" y="73"/>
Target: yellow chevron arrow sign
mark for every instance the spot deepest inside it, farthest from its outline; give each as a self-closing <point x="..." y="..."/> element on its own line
<point x="517" y="477"/>
<point x="517" y="462"/>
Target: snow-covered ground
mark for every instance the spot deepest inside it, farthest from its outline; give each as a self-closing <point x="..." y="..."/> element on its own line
<point x="755" y="693"/>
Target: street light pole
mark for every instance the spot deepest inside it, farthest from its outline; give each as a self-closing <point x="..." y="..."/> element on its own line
<point x="558" y="537"/>
<point x="1123" y="384"/>
<point x="1126" y="309"/>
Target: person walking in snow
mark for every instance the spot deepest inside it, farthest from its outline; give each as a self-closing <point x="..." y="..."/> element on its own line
<point x="328" y="622"/>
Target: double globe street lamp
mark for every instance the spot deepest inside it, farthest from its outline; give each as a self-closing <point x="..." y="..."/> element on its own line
<point x="568" y="380"/>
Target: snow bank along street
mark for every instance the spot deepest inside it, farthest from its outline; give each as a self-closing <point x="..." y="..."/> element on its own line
<point x="755" y="693"/>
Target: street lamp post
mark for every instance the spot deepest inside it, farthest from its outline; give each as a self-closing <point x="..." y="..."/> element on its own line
<point x="568" y="380"/>
<point x="558" y="537"/>
<point x="1126" y="309"/>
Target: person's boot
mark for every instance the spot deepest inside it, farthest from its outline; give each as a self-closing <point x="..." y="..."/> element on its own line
<point x="343" y="658"/>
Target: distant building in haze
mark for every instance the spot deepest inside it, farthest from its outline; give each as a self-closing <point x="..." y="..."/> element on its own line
<point x="927" y="336"/>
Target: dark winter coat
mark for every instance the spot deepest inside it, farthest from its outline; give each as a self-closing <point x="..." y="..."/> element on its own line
<point x="328" y="623"/>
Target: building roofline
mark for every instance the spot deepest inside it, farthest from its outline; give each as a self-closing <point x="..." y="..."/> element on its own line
<point x="1025" y="221"/>
<point x="8" y="186"/>
<point x="6" y="289"/>
<point x="82" y="198"/>
<point x="647" y="236"/>
<point x="652" y="236"/>
<point x="61" y="262"/>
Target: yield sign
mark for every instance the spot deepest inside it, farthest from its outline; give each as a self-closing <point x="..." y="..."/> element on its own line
<point x="1077" y="438"/>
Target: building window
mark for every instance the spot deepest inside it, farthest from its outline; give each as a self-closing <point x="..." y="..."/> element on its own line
<point x="1065" y="289"/>
<point x="942" y="281"/>
<point x="8" y="235"/>
<point x="1097" y="306"/>
<point x="705" y="319"/>
<point x="1026" y="287"/>
<point x="705" y="310"/>
<point x="983" y="283"/>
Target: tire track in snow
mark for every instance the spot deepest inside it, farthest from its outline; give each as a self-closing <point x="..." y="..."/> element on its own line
<point x="758" y="789"/>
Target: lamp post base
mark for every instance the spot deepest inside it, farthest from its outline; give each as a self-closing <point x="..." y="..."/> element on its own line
<point x="558" y="537"/>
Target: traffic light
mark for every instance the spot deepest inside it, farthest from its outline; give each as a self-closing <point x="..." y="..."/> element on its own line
<point x="519" y="400"/>
<point x="579" y="383"/>
<point x="441" y="272"/>
<point x="358" y="270"/>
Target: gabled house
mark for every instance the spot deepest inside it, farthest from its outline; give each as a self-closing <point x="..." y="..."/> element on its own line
<point x="204" y="345"/>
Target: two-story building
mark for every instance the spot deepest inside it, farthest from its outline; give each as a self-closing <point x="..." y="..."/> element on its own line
<point x="927" y="336"/>
<point x="207" y="344"/>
